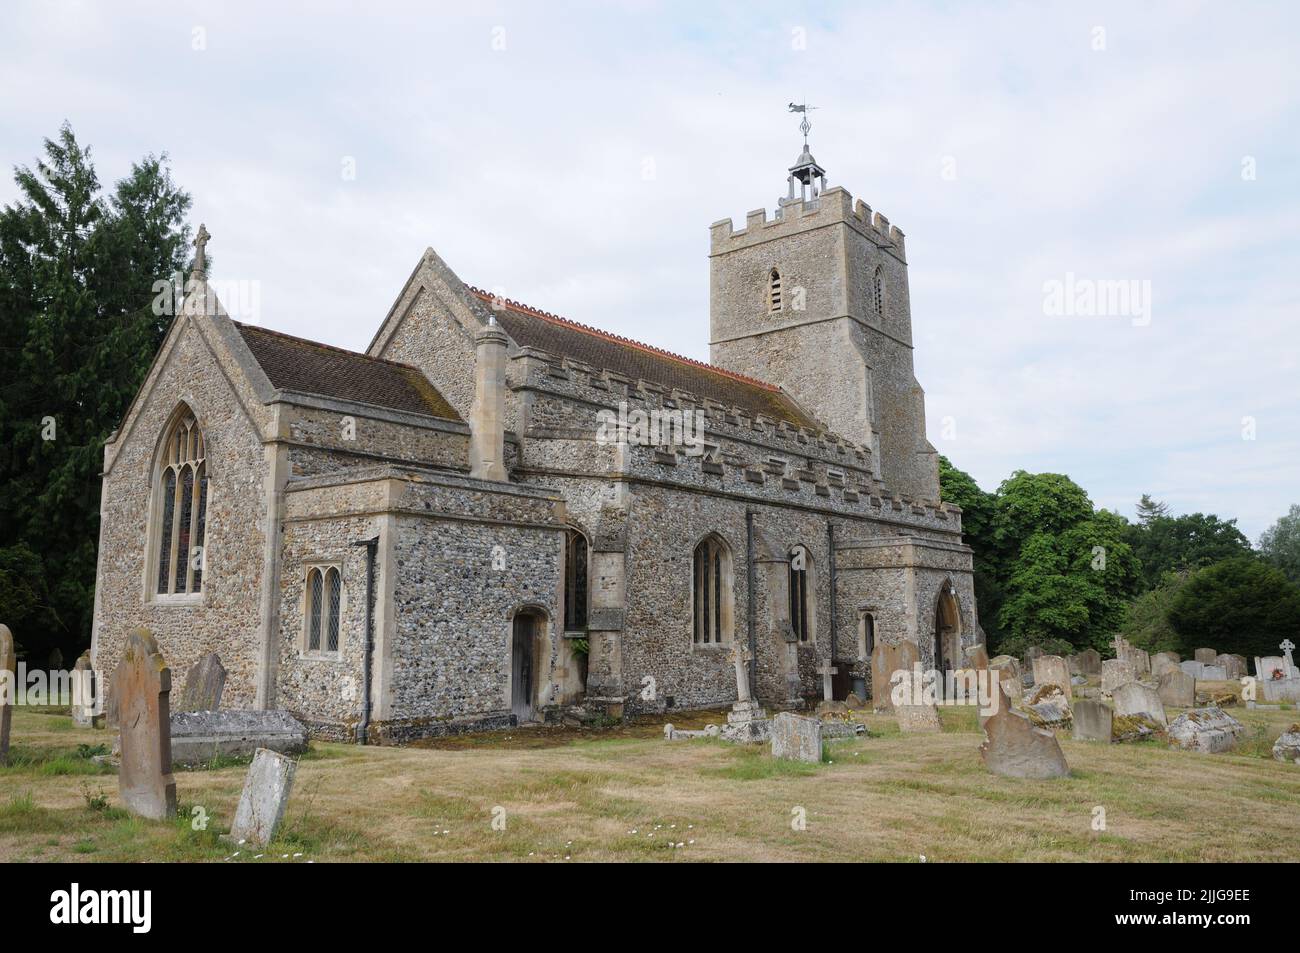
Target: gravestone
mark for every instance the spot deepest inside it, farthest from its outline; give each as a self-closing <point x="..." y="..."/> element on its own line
<point x="796" y="738"/>
<point x="1014" y="748"/>
<point x="1031" y="653"/>
<point x="747" y="722"/>
<point x="1137" y="699"/>
<point x="198" y="737"/>
<point x="827" y="671"/>
<point x="1177" y="689"/>
<point x="918" y="718"/>
<point x="143" y="682"/>
<point x="977" y="657"/>
<point x="8" y="688"/>
<point x="1207" y="730"/>
<point x="1114" y="673"/>
<point x="885" y="661"/>
<point x="1092" y="721"/>
<point x="1214" y="673"/>
<point x="1008" y="670"/>
<point x="1052" y="670"/>
<point x="1172" y="656"/>
<point x="1141" y="661"/>
<point x="1089" y="662"/>
<point x="1234" y="666"/>
<point x="262" y="803"/>
<point x="204" y="683"/>
<point x="1193" y="668"/>
<point x="84" y="689"/>
<point x="1287" y="746"/>
<point x="1049" y="707"/>
<point x="1162" y="663"/>
<point x="1206" y="656"/>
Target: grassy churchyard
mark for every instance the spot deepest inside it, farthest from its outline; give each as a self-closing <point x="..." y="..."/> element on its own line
<point x="623" y="793"/>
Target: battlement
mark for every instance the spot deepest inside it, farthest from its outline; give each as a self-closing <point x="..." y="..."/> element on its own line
<point x="832" y="206"/>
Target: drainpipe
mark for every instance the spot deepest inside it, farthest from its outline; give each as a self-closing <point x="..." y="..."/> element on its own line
<point x="830" y="562"/>
<point x="753" y="633"/>
<point x="363" y="728"/>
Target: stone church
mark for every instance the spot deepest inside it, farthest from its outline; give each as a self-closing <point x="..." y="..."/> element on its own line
<point x="442" y="535"/>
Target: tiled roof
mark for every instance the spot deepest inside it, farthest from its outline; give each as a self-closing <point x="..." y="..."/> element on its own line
<point x="531" y="327"/>
<point x="309" y="367"/>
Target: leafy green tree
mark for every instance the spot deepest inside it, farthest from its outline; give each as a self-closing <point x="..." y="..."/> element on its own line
<point x="77" y="270"/>
<point x="1146" y="624"/>
<point x="1280" y="544"/>
<point x="1240" y="605"/>
<point x="1176" y="543"/>
<point x="978" y="508"/>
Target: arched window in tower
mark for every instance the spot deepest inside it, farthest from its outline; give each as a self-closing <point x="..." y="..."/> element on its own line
<point x="878" y="290"/>
<point x="712" y="593"/>
<point x="774" y="300"/>
<point x="181" y="486"/>
<point x="802" y="594"/>
<point x="575" y="581"/>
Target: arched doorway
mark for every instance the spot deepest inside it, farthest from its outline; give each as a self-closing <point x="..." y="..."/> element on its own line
<point x="947" y="631"/>
<point x="526" y="634"/>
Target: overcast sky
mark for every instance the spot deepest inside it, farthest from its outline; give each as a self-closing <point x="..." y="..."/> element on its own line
<point x="573" y="156"/>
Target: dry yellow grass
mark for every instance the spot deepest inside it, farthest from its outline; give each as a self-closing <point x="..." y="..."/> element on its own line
<point x="628" y="795"/>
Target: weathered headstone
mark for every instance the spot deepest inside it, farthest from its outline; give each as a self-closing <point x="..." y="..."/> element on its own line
<point x="977" y="657"/>
<point x="204" y="683"/>
<point x="84" y="688"/>
<point x="1287" y="746"/>
<point x="918" y="718"/>
<point x="1162" y="663"/>
<point x="796" y="738"/>
<point x="1016" y="749"/>
<point x="1206" y="730"/>
<point x="1206" y="656"/>
<point x="1049" y="707"/>
<point x="1114" y="673"/>
<point x="142" y="682"/>
<point x="1089" y="662"/>
<point x="266" y="792"/>
<point x="1177" y="689"/>
<point x="8" y="688"/>
<point x="1141" y="661"/>
<point x="885" y="661"/>
<point x="1092" y="721"/>
<point x="1193" y="668"/>
<point x="1137" y="699"/>
<point x="1172" y="656"/>
<point x="1031" y="653"/>
<point x="1234" y="666"/>
<point x="828" y="672"/>
<point x="1052" y="670"/>
<point x="1214" y="673"/>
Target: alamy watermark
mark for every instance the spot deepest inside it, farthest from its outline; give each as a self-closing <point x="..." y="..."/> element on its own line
<point x="1098" y="298"/>
<point x="653" y="428"/>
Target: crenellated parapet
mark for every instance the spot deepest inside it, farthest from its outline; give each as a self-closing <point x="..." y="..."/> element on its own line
<point x="833" y="206"/>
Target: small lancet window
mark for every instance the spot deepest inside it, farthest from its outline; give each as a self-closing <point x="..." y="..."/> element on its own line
<point x="878" y="290"/>
<point x="774" y="301"/>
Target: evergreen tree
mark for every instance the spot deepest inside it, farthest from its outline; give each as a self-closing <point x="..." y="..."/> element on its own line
<point x="1241" y="605"/>
<point x="1149" y="509"/>
<point x="1280" y="544"/>
<point x="76" y="286"/>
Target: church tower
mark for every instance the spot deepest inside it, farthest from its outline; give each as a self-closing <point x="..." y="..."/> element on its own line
<point x="816" y="300"/>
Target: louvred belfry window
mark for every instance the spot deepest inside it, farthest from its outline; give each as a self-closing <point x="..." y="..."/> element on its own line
<point x="182" y="509"/>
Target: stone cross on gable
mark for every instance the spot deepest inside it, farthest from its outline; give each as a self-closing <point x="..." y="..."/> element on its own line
<point x="201" y="250"/>
<point x="826" y="670"/>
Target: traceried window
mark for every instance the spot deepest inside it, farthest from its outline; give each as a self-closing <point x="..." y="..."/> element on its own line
<point x="182" y="508"/>
<point x="774" y="300"/>
<point x="712" y="594"/>
<point x="801" y="592"/>
<point x="575" y="581"/>
<point x="324" y="595"/>
<point x="878" y="290"/>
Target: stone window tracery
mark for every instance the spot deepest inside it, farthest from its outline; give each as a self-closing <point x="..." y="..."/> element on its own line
<point x="182" y="488"/>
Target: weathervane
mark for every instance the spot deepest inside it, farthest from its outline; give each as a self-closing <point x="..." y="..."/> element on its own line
<point x="805" y="125"/>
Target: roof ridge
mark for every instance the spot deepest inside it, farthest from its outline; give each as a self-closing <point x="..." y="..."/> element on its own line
<point x="618" y="338"/>
<point x="322" y="344"/>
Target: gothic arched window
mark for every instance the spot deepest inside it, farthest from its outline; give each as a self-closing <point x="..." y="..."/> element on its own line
<point x="802" y="593"/>
<point x="324" y="598"/>
<point x="878" y="290"/>
<point x="575" y="581"/>
<point x="182" y="488"/>
<point x="774" y="302"/>
<point x="712" y="594"/>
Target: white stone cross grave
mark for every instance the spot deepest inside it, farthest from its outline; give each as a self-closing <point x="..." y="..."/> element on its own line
<point x="1286" y="647"/>
<point x="826" y="670"/>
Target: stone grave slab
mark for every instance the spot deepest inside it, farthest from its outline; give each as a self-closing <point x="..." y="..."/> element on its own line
<point x="198" y="737"/>
<point x="1140" y="700"/>
<point x="1207" y="730"/>
<point x="796" y="738"/>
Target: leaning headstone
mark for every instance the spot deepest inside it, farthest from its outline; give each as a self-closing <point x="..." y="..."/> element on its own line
<point x="204" y="683"/>
<point x="1052" y="670"/>
<point x="143" y="682"/>
<point x="796" y="738"/>
<point x="1114" y="673"/>
<point x="83" y="692"/>
<point x="1206" y="656"/>
<point x="1092" y="721"/>
<point x="885" y="661"/>
<point x="918" y="718"/>
<point x="1287" y="747"/>
<point x="1137" y="699"/>
<point x="1089" y="662"/>
<point x="8" y="688"/>
<point x="1206" y="730"/>
<point x="1014" y="748"/>
<point x="1049" y="707"/>
<point x="261" y="805"/>
<point x="1177" y="689"/>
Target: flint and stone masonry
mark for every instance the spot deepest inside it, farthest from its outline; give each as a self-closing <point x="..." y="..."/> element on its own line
<point x="438" y="535"/>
